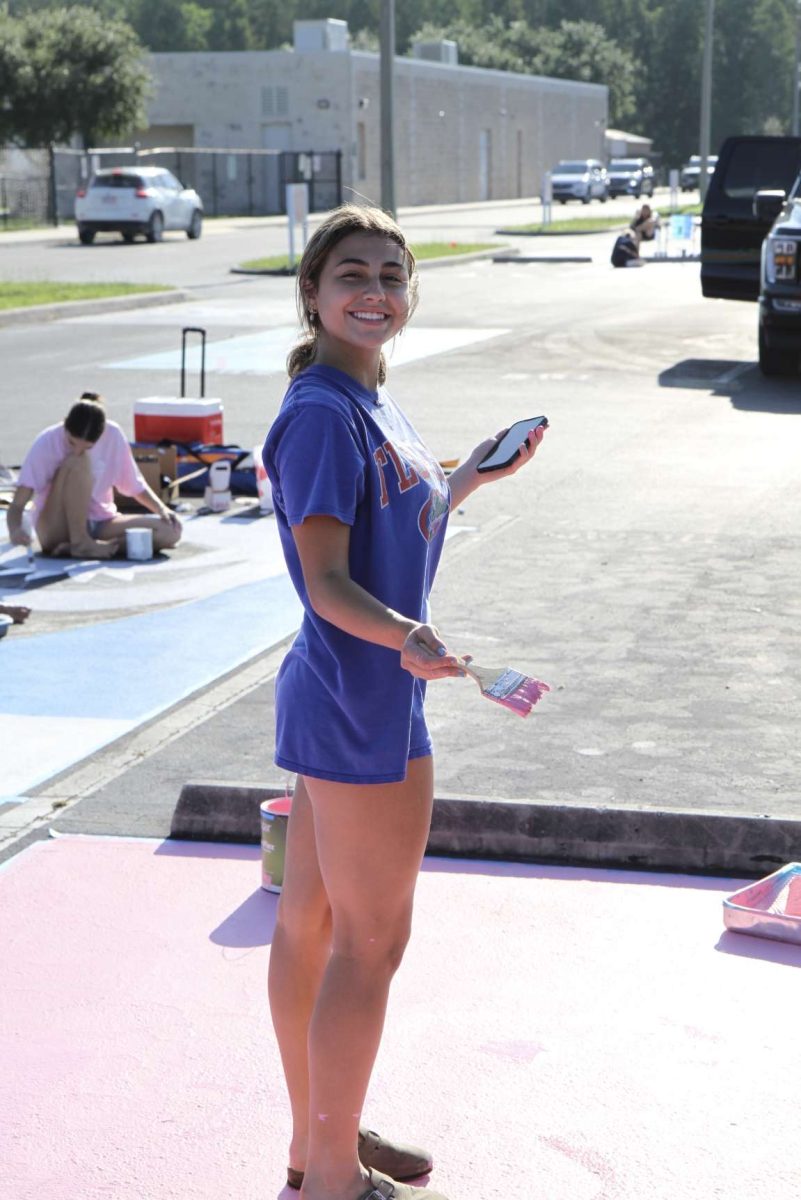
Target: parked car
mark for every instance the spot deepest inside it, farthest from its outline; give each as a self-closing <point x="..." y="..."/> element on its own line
<point x="137" y="200"/>
<point x="581" y="179"/>
<point x="691" y="171"/>
<point x="750" y="236"/>
<point x="630" y="177"/>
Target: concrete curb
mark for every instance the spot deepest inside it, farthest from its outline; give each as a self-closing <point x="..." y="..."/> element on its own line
<point x="559" y="232"/>
<point x="85" y="308"/>
<point x="569" y="835"/>
<point x="542" y="258"/>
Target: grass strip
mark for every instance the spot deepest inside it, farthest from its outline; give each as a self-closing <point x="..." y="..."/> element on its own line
<point x="595" y="224"/>
<point x="280" y="262"/>
<point x="24" y="295"/>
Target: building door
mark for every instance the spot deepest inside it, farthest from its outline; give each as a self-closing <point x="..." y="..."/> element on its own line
<point x="277" y="135"/>
<point x="485" y="164"/>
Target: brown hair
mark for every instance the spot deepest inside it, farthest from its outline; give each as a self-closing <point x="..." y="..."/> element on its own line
<point x="87" y="418"/>
<point x="347" y="219"/>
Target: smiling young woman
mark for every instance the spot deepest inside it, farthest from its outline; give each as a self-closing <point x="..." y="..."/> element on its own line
<point x="361" y="505"/>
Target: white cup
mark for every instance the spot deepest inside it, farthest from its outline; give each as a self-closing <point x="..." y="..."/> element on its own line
<point x="139" y="543"/>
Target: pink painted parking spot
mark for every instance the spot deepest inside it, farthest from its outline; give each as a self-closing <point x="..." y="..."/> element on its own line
<point x="554" y="1033"/>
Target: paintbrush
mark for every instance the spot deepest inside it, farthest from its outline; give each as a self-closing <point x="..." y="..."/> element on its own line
<point x="506" y="686"/>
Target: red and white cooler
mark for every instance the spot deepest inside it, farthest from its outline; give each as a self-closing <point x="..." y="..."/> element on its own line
<point x="167" y="418"/>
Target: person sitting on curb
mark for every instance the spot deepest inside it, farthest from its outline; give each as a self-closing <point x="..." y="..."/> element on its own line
<point x="645" y="223"/>
<point x="626" y="250"/>
<point x="71" y="471"/>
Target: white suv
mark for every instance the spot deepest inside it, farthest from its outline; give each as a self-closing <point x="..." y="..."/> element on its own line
<point x="132" y="200"/>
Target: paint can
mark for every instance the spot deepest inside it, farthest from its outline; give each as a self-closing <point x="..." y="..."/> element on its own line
<point x="262" y="483"/>
<point x="274" y="822"/>
<point x="139" y="544"/>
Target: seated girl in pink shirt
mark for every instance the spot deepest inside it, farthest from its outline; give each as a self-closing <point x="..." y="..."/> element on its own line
<point x="71" y="471"/>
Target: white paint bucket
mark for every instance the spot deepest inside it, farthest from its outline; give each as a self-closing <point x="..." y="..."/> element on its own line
<point x="262" y="482"/>
<point x="139" y="543"/>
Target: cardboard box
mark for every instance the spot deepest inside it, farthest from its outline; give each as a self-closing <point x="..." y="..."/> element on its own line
<point x="159" y="466"/>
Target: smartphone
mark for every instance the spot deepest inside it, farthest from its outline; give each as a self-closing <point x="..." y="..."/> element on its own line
<point x="507" y="448"/>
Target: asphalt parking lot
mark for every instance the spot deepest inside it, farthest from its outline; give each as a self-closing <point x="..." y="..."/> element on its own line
<point x="645" y="567"/>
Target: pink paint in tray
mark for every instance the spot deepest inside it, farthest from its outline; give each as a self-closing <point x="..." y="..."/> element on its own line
<point x="770" y="908"/>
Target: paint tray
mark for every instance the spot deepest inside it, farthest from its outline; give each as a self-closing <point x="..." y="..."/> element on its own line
<point x="769" y="908"/>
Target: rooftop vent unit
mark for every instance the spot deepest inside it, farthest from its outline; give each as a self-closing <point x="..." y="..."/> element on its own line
<point x="310" y="37"/>
<point x="442" y="51"/>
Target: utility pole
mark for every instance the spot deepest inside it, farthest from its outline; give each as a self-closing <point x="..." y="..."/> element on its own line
<point x="706" y="97"/>
<point x="387" y="33"/>
<point x="797" y="68"/>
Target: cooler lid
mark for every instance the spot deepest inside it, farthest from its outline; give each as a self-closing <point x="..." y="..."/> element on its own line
<point x="176" y="406"/>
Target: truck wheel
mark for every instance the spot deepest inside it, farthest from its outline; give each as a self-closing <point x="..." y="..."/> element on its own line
<point x="87" y="236"/>
<point x="776" y="362"/>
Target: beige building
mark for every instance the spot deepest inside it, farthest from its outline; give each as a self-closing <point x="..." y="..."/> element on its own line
<point x="461" y="133"/>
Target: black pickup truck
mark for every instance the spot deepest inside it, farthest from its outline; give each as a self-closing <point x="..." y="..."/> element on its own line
<point x="751" y="240"/>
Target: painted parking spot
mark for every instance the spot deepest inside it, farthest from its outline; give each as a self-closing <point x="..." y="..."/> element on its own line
<point x="68" y="694"/>
<point x="219" y="600"/>
<point x="265" y="353"/>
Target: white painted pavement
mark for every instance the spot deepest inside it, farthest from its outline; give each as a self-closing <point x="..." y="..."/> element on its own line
<point x="265" y="352"/>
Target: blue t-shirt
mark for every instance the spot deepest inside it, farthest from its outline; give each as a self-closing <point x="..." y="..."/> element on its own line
<point x="345" y="708"/>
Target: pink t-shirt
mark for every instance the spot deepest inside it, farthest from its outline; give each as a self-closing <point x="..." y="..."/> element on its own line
<point x="113" y="466"/>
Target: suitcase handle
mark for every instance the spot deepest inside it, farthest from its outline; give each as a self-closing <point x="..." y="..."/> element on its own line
<point x="202" y="332"/>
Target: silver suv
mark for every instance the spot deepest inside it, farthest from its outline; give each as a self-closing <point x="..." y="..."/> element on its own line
<point x="137" y="200"/>
<point x="581" y="179"/>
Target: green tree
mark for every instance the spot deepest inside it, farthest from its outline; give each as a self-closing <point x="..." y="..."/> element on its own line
<point x="11" y="65"/>
<point x="171" y="25"/>
<point x="78" y="74"/>
<point x="230" y="25"/>
<point x="575" y="50"/>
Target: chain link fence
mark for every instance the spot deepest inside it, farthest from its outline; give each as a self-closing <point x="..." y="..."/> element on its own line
<point x="23" y="200"/>
<point x="231" y="183"/>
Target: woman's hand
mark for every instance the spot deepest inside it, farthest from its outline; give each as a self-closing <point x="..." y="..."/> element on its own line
<point x="18" y="536"/>
<point x="466" y="478"/>
<point x="426" y="656"/>
<point x="172" y="519"/>
<point x="526" y="454"/>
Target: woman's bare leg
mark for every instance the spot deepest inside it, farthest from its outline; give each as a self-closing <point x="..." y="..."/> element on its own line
<point x="300" y="950"/>
<point x="165" y="534"/>
<point x="61" y="526"/>
<point x="370" y="843"/>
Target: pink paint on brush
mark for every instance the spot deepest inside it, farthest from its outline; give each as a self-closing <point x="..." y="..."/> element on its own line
<point x="505" y="686"/>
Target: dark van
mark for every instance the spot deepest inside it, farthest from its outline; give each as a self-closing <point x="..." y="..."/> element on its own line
<point x="732" y="231"/>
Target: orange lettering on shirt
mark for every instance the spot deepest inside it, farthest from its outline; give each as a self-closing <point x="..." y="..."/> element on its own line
<point x="407" y="476"/>
<point x="381" y="462"/>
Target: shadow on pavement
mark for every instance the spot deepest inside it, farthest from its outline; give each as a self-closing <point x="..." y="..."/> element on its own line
<point x="746" y="946"/>
<point x="741" y="380"/>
